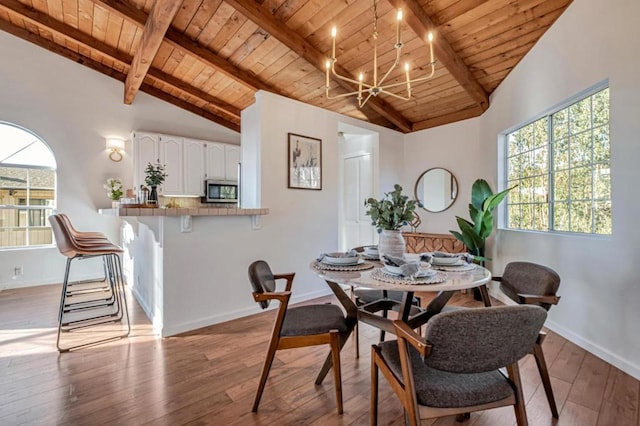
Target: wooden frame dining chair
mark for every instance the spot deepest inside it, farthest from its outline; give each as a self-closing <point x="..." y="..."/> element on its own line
<point x="299" y="326"/>
<point x="455" y="368"/>
<point x="531" y="283"/>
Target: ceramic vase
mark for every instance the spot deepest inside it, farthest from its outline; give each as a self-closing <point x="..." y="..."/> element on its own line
<point x="391" y="243"/>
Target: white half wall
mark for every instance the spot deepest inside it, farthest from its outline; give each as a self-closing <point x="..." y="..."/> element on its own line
<point x="592" y="41"/>
<point x="73" y="108"/>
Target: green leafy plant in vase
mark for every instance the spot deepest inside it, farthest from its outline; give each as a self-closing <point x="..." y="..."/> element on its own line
<point x="154" y="175"/>
<point x="388" y="215"/>
<point x="475" y="232"/>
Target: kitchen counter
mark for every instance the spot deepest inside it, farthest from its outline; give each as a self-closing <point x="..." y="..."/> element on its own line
<point x="181" y="211"/>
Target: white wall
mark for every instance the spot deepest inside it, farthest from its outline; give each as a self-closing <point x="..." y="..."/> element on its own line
<point x="590" y="42"/>
<point x="72" y="108"/>
<point x="455" y="147"/>
<point x="205" y="271"/>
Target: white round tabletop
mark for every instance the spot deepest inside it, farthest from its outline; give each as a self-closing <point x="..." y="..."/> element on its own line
<point x="453" y="280"/>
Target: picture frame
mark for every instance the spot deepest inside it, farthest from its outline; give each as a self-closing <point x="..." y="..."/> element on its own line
<point x="304" y="162"/>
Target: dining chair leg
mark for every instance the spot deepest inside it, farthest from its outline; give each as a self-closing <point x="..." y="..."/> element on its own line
<point x="328" y="361"/>
<point x="334" y="337"/>
<point x="374" y="388"/>
<point x="485" y="295"/>
<point x="271" y="353"/>
<point x="356" y="338"/>
<point x="544" y="375"/>
<point x="521" y="414"/>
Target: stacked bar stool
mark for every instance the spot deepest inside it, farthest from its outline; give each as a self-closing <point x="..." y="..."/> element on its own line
<point x="85" y="305"/>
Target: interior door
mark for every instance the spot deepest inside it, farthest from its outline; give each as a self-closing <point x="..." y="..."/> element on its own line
<point x="358" y="186"/>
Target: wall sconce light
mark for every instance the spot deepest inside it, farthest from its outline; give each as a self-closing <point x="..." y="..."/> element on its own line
<point x="116" y="149"/>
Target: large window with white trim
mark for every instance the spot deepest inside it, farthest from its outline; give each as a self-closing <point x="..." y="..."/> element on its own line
<point x="27" y="188"/>
<point x="561" y="165"/>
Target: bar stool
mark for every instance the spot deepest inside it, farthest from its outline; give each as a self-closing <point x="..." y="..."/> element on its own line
<point x="108" y="306"/>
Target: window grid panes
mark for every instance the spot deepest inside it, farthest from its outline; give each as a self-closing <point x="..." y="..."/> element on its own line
<point x="27" y="189"/>
<point x="561" y="166"/>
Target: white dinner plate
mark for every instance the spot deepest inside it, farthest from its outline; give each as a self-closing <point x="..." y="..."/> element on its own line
<point x="330" y="261"/>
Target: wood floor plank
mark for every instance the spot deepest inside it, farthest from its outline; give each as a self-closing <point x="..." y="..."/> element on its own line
<point x="589" y="385"/>
<point x="209" y="377"/>
<point x="567" y="363"/>
<point x="621" y="400"/>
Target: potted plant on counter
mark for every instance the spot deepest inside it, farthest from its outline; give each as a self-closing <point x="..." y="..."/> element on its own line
<point x="154" y="176"/>
<point x="388" y="215"/>
<point x="114" y="191"/>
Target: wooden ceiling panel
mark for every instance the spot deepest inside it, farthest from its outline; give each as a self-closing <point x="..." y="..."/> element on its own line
<point x="217" y="53"/>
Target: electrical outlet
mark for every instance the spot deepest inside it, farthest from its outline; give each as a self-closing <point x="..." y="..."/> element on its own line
<point x="17" y="271"/>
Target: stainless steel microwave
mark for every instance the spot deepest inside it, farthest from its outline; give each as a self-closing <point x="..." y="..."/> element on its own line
<point x="221" y="191"/>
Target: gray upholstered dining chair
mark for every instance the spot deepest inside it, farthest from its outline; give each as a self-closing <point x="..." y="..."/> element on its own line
<point x="299" y="326"/>
<point x="455" y="368"/>
<point x="531" y="283"/>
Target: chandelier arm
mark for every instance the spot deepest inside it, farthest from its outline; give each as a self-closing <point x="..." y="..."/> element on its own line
<point x="416" y="80"/>
<point x="350" y="80"/>
<point x="342" y="95"/>
<point x="360" y="105"/>
<point x="395" y="64"/>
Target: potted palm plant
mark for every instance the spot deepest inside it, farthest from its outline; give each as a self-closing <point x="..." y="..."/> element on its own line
<point x="474" y="233"/>
<point x="388" y="215"/>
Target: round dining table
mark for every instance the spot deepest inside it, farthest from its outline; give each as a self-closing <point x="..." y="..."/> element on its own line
<point x="370" y="275"/>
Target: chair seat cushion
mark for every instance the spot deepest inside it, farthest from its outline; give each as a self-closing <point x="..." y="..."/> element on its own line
<point x="441" y="389"/>
<point x="313" y="319"/>
<point x="367" y="295"/>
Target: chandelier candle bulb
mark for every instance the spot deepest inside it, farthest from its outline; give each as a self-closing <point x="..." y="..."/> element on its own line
<point x="334" y="32"/>
<point x="430" y="37"/>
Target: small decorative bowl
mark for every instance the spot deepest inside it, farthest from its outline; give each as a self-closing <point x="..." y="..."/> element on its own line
<point x="371" y="250"/>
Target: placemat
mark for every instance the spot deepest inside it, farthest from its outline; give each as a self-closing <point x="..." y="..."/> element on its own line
<point x="380" y="275"/>
<point x="326" y="267"/>
<point x="450" y="268"/>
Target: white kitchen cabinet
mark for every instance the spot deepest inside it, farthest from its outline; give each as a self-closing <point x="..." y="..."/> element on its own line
<point x="188" y="162"/>
<point x="194" y="167"/>
<point x="146" y="149"/>
<point x="231" y="160"/>
<point x="214" y="161"/>
<point x="172" y="156"/>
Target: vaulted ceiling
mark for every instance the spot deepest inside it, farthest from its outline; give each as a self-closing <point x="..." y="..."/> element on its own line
<point x="211" y="56"/>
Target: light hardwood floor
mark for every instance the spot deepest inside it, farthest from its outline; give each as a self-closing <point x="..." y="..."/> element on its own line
<point x="209" y="376"/>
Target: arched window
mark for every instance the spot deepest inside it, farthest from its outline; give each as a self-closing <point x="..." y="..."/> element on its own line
<point x="27" y="188"/>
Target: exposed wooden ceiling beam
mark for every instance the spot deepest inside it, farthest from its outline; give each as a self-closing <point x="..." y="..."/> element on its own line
<point x="464" y="114"/>
<point x="421" y="24"/>
<point x="262" y="17"/>
<point x="186" y="45"/>
<point x="106" y="70"/>
<point x="160" y="17"/>
<point x="124" y="59"/>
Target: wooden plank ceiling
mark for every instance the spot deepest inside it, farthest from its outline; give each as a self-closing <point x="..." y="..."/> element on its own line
<point x="211" y="56"/>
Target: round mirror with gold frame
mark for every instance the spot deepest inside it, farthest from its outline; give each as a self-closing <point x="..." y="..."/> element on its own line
<point x="436" y="189"/>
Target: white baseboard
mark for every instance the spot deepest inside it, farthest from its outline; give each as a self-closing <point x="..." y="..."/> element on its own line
<point x="10" y="285"/>
<point x="228" y="316"/>
<point x="597" y="350"/>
